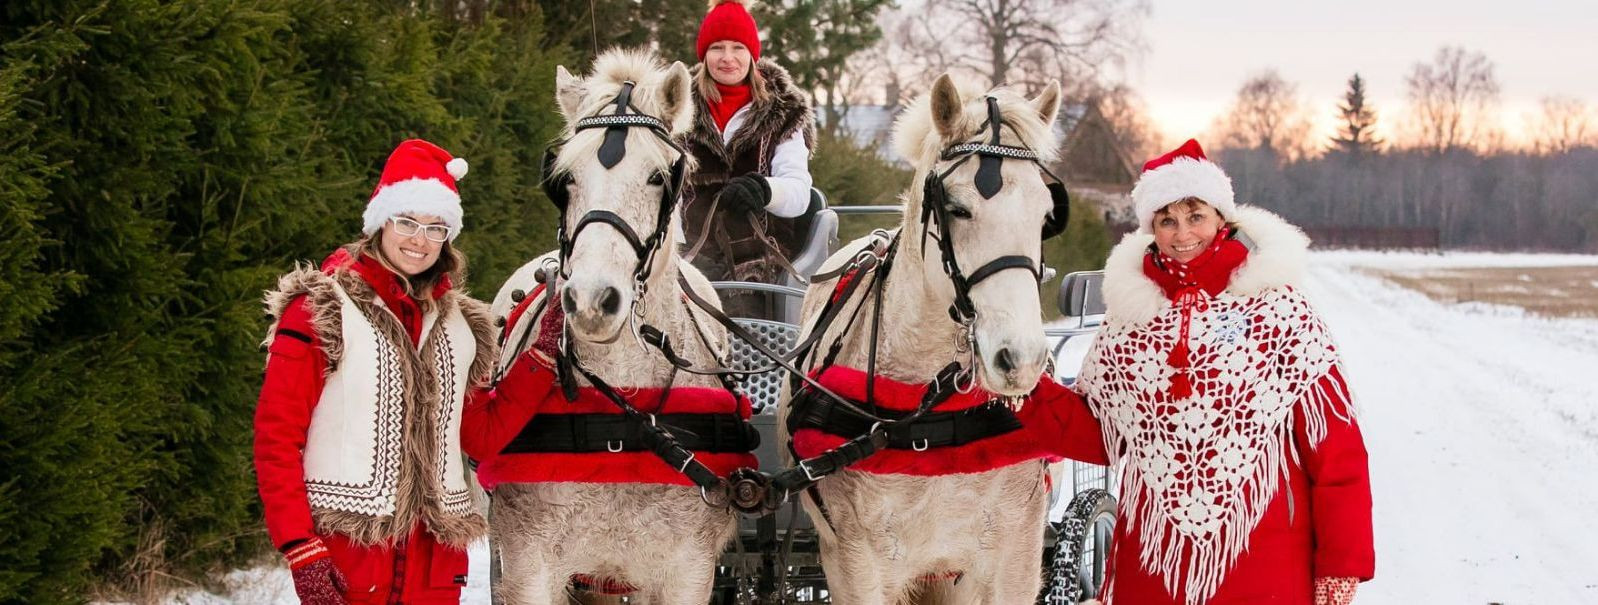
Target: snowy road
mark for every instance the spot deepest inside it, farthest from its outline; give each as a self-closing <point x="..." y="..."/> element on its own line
<point x="1482" y="426"/>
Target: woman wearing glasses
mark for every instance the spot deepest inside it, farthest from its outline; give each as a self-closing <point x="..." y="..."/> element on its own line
<point x="357" y="449"/>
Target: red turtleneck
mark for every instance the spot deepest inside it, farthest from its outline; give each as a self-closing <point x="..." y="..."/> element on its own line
<point x="733" y="98"/>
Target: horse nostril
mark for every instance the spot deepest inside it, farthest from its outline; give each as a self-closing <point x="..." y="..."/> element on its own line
<point x="568" y="303"/>
<point x="610" y="301"/>
<point x="1004" y="360"/>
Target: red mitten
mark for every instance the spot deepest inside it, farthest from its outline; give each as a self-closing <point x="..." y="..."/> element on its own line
<point x="316" y="580"/>
<point x="547" y="346"/>
<point x="1335" y="591"/>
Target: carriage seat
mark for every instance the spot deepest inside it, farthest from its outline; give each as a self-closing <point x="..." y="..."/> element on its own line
<point x="820" y="226"/>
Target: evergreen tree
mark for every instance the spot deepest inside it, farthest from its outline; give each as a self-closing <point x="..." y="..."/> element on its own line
<point x="668" y="26"/>
<point x="163" y="163"/>
<point x="1357" y="132"/>
<point x="814" y="39"/>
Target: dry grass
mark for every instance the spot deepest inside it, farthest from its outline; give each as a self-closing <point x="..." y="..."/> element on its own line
<point x="1543" y="291"/>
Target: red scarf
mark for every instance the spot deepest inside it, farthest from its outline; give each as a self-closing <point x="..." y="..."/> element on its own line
<point x="1190" y="286"/>
<point x="387" y="286"/>
<point x="733" y="98"/>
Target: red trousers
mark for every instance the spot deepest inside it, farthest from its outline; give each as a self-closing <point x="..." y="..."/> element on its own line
<point x="416" y="570"/>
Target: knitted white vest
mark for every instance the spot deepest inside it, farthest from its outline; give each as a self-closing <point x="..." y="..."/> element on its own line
<point x="353" y="452"/>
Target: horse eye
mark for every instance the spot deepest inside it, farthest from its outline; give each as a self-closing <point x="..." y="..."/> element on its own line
<point x="657" y="179"/>
<point x="959" y="212"/>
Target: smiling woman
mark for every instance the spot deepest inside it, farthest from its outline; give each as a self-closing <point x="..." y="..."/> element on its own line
<point x="411" y="245"/>
<point x="753" y="136"/>
<point x="370" y="358"/>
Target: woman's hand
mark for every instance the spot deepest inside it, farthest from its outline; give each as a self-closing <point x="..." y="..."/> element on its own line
<point x="1335" y="591"/>
<point x="547" y="346"/>
<point x="316" y="580"/>
<point x="749" y="192"/>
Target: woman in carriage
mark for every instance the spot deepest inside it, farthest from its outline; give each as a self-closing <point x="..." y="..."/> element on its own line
<point x="752" y="137"/>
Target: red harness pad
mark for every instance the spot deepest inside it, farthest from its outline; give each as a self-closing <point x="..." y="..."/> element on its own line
<point x="619" y="467"/>
<point x="988" y="454"/>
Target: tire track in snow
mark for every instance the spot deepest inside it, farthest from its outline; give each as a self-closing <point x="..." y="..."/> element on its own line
<point x="1482" y="460"/>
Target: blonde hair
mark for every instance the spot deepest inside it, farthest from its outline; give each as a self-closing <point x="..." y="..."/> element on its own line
<point x="759" y="88"/>
<point x="451" y="262"/>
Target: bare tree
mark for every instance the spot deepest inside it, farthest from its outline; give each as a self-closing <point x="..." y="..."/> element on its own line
<point x="910" y="55"/>
<point x="1128" y="116"/>
<point x="1564" y="124"/>
<point x="1020" y="42"/>
<point x="1267" y="115"/>
<point x="1029" y="42"/>
<point x="1452" y="100"/>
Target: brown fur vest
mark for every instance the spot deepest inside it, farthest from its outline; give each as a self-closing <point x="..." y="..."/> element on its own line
<point x="732" y="249"/>
<point x="403" y="400"/>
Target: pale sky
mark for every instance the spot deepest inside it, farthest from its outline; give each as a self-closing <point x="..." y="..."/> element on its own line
<point x="1200" y="52"/>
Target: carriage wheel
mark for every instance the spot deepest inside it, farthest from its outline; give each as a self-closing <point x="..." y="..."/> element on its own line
<point x="1076" y="571"/>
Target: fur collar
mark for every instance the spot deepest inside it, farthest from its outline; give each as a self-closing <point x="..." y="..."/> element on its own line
<point x="776" y="117"/>
<point x="317" y="286"/>
<point x="1278" y="254"/>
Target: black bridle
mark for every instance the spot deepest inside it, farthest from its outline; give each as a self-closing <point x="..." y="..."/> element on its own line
<point x="610" y="153"/>
<point x="988" y="181"/>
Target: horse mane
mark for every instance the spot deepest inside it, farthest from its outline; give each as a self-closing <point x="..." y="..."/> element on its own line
<point x="916" y="139"/>
<point x="615" y="66"/>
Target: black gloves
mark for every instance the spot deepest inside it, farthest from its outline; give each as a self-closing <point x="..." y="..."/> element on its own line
<point x="749" y="192"/>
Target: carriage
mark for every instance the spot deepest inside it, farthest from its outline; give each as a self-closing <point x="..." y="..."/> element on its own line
<point x="776" y="557"/>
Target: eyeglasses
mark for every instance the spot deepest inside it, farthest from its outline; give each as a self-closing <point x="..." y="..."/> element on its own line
<point x="408" y="228"/>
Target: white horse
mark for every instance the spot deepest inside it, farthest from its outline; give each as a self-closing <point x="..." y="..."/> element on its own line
<point x="663" y="540"/>
<point x="893" y="538"/>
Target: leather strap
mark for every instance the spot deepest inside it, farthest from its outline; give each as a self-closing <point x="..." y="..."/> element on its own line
<point x="588" y="433"/>
<point x="934" y="429"/>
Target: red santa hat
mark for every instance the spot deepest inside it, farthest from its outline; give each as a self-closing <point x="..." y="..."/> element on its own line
<point x="1178" y="175"/>
<point x="419" y="178"/>
<point x="728" y="20"/>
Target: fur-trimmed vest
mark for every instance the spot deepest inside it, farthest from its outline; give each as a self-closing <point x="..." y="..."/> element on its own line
<point x="732" y="249"/>
<point x="383" y="447"/>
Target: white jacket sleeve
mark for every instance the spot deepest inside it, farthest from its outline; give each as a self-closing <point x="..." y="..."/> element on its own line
<point x="790" y="177"/>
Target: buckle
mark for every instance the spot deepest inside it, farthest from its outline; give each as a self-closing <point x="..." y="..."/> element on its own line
<point x="919" y="445"/>
<point x="685" y="463"/>
<point x="809" y="475"/>
<point x="615" y="446"/>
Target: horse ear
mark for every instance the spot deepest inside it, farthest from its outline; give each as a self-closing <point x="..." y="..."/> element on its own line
<point x="945" y="106"/>
<point x="1047" y="103"/>
<point x="676" y="101"/>
<point x="568" y="93"/>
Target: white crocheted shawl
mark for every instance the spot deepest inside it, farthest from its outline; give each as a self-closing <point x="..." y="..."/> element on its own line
<point x="1198" y="473"/>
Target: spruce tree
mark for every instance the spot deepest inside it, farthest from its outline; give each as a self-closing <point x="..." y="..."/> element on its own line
<point x="163" y="163"/>
<point x="1356" y="134"/>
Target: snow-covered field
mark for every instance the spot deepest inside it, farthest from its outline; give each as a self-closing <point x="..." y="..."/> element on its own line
<point x="1482" y="426"/>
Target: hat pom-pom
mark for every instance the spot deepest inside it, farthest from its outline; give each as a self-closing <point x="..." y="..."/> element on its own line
<point x="456" y="167"/>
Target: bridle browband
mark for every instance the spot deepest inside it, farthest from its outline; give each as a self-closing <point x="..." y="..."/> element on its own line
<point x="611" y="151"/>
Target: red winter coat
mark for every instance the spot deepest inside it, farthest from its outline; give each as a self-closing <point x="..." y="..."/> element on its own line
<point x="1317" y="523"/>
<point x="1327" y="534"/>
<point x="423" y="570"/>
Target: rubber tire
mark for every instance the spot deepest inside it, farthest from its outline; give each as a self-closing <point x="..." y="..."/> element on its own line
<point x="1064" y="583"/>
